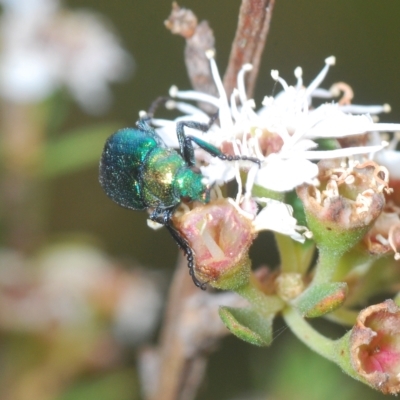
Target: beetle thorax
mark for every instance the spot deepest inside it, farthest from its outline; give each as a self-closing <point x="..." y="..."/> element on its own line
<point x="158" y="178"/>
<point x="190" y="184"/>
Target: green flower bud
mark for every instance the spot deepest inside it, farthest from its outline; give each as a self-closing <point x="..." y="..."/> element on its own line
<point x="349" y="199"/>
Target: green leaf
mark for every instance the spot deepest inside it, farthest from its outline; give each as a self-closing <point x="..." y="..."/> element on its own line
<point x="248" y="325"/>
<point x="321" y="299"/>
<point x="74" y="150"/>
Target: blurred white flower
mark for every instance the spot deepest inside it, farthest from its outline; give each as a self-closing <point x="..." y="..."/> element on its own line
<point x="70" y="286"/>
<point x="44" y="47"/>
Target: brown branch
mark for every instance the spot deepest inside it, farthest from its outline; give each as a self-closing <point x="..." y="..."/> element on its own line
<point x="248" y="45"/>
<point x="191" y="330"/>
<point x="171" y="352"/>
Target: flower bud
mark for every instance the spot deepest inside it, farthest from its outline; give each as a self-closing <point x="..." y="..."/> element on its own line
<point x="390" y="158"/>
<point x="289" y="285"/>
<point x="375" y="347"/>
<point x="348" y="201"/>
<point x="220" y="235"/>
<point x="384" y="236"/>
<point x="321" y="299"/>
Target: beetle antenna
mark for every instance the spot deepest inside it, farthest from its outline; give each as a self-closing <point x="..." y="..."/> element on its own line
<point x="158" y="102"/>
<point x="213" y="118"/>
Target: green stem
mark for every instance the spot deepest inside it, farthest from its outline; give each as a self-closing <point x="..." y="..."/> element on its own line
<point x="350" y="260"/>
<point x="264" y="304"/>
<point x="308" y="335"/>
<point x="343" y="316"/>
<point x="326" y="266"/>
<point x="337" y="351"/>
<point x="294" y="256"/>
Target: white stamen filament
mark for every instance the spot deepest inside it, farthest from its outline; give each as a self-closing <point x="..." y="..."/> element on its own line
<point x="244" y="149"/>
<point x="256" y="144"/>
<point x="384" y="127"/>
<point x="275" y="76"/>
<point x="361" y="109"/>
<point x="234" y="109"/>
<point x="382" y="240"/>
<point x="298" y="73"/>
<point x="189" y="110"/>
<point x="393" y="236"/>
<point x="223" y="106"/>
<point x="321" y="93"/>
<point x="193" y="95"/>
<point x="321" y="76"/>
<point x="240" y="82"/>
<point x="210" y="243"/>
<point x="267" y="101"/>
<point x="163" y="122"/>
<point x="346" y="152"/>
<point x="251" y="176"/>
<point x="248" y="108"/>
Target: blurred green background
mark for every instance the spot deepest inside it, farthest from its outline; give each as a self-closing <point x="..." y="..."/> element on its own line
<point x="364" y="37"/>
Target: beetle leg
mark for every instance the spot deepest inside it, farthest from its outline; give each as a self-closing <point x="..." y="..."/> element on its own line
<point x="215" y="152"/>
<point x="163" y="217"/>
<point x="184" y="245"/>
<point x="186" y="145"/>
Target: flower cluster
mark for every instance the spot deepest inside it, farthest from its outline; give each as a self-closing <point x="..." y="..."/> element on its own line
<point x="350" y="209"/>
<point x="284" y="134"/>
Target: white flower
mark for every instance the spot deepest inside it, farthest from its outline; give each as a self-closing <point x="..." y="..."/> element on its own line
<point x="278" y="217"/>
<point x="44" y="47"/>
<point x="289" y="116"/>
<point x="390" y="157"/>
<point x="289" y="125"/>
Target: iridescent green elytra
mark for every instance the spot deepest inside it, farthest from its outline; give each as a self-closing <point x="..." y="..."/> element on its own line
<point x="138" y="171"/>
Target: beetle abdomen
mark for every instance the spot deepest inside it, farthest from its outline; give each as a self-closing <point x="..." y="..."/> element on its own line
<point x="121" y="165"/>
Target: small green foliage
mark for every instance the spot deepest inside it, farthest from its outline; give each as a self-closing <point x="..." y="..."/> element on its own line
<point x="321" y="299"/>
<point x="248" y="325"/>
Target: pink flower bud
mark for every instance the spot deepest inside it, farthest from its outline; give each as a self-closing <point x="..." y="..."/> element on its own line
<point x="220" y="235"/>
<point x="375" y="346"/>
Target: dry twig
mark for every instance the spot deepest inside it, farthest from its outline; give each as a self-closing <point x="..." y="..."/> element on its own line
<point x="248" y="45"/>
